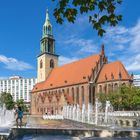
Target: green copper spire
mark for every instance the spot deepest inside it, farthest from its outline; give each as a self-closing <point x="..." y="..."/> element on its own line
<point x="47" y="27"/>
<point x="47" y="43"/>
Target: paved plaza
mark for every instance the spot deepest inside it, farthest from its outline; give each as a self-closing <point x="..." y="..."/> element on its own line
<point x="39" y="122"/>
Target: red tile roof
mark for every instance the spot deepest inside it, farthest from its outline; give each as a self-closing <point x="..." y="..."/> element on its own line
<point x="112" y="71"/>
<point x="78" y="72"/>
<point x="69" y="74"/>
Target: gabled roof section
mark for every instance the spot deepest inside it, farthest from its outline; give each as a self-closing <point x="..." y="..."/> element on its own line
<point x="113" y="71"/>
<point x="69" y="74"/>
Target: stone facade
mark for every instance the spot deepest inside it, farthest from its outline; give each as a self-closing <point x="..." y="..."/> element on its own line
<point x="45" y="63"/>
<point x="52" y="101"/>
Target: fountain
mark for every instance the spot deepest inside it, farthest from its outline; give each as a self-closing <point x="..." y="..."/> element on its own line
<point x="7" y="117"/>
<point x="7" y="120"/>
<point x="99" y="114"/>
<point x="100" y="117"/>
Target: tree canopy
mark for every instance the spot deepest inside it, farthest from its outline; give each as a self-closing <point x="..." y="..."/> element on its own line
<point x="7" y="99"/>
<point x="101" y="12"/>
<point x="125" y="98"/>
<point x="21" y="103"/>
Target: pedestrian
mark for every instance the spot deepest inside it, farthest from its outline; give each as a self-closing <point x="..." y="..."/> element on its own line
<point x="19" y="114"/>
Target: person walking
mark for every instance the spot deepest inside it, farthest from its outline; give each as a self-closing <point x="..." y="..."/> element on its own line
<point x="19" y="117"/>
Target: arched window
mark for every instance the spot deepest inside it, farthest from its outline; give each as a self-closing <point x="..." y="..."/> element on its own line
<point x="115" y="86"/>
<point x="41" y="64"/>
<point x="77" y="96"/>
<point x="51" y="63"/>
<point x="90" y="98"/>
<point x="109" y="88"/>
<point x="123" y="84"/>
<point x="68" y="91"/>
<point x="105" y="88"/>
<point x="63" y="90"/>
<point x="44" y="30"/>
<point x="73" y="94"/>
<point x="83" y="98"/>
<point x="49" y="30"/>
<point x="100" y="88"/>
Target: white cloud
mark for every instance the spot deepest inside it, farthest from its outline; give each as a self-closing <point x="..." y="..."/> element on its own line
<point x="65" y="60"/>
<point x="121" y="42"/>
<point x="125" y="44"/>
<point x="129" y="37"/>
<point x="135" y="32"/>
<point x="118" y="35"/>
<point x="90" y="48"/>
<point x="133" y="63"/>
<point x="14" y="64"/>
<point x="85" y="45"/>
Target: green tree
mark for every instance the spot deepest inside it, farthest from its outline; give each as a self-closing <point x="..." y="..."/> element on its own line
<point x="102" y="98"/>
<point x="7" y="99"/>
<point x="21" y="103"/>
<point x="100" y="12"/>
<point x="125" y="98"/>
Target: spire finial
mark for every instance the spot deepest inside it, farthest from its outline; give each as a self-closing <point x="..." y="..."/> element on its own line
<point x="47" y="14"/>
<point x="102" y="52"/>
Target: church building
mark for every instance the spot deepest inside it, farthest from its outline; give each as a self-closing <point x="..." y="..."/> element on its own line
<point x="78" y="82"/>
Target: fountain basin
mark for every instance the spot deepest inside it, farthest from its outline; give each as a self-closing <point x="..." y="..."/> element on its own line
<point x="79" y="133"/>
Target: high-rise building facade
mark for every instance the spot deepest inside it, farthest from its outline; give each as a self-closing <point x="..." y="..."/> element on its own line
<point x="18" y="87"/>
<point x="136" y="80"/>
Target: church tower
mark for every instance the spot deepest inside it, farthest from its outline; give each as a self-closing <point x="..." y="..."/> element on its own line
<point x="47" y="59"/>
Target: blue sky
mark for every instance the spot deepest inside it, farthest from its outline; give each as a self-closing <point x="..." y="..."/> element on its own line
<point x="21" y="29"/>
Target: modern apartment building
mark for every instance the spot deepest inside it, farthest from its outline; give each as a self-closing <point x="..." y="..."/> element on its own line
<point x="18" y="87"/>
<point x="136" y="81"/>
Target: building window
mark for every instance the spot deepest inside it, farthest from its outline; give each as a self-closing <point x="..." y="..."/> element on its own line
<point x="83" y="98"/>
<point x="123" y="84"/>
<point x="100" y="89"/>
<point x="77" y="97"/>
<point x="63" y="90"/>
<point x="105" y="88"/>
<point x="90" y="97"/>
<point x="115" y="86"/>
<point x="109" y="88"/>
<point x="44" y="30"/>
<point x="51" y="63"/>
<point x="49" y="30"/>
<point x="68" y="91"/>
<point x="73" y="94"/>
<point x="41" y="64"/>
